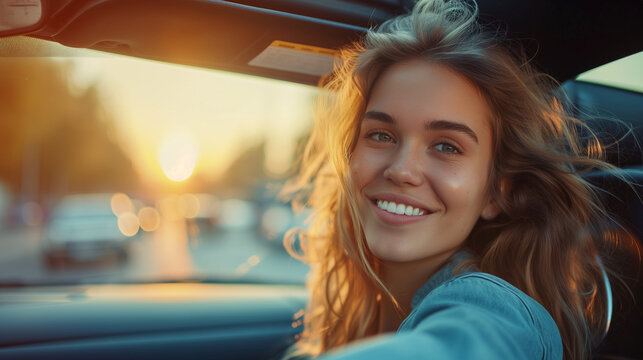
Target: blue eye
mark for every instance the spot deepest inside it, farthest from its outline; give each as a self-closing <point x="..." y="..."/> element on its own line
<point x="447" y="148"/>
<point x="380" y="137"/>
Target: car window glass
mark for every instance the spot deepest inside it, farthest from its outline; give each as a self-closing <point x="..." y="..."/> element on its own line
<point x="116" y="168"/>
<point x="625" y="73"/>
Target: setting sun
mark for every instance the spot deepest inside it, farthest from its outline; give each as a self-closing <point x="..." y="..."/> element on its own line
<point x="178" y="157"/>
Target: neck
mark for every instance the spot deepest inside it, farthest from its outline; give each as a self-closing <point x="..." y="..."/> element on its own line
<point x="403" y="279"/>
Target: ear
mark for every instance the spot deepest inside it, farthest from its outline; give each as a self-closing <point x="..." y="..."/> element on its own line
<point x="491" y="209"/>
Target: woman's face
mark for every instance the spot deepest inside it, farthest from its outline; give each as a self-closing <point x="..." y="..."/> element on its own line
<point x="421" y="162"/>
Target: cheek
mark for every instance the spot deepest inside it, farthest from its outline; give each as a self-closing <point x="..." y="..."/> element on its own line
<point x="461" y="186"/>
<point x="361" y="168"/>
<point x="359" y="180"/>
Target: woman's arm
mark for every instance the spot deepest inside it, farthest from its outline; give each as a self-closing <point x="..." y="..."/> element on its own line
<point x="473" y="316"/>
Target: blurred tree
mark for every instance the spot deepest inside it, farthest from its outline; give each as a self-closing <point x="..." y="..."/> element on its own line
<point x="56" y="140"/>
<point x="244" y="173"/>
<point x="248" y="170"/>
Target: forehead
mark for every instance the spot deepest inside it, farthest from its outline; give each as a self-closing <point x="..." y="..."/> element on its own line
<point x="416" y="91"/>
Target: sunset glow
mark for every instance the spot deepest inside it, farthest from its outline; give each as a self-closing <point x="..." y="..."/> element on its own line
<point x="218" y="116"/>
<point x="178" y="157"/>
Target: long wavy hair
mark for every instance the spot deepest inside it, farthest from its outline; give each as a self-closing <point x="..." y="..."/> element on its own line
<point x="546" y="241"/>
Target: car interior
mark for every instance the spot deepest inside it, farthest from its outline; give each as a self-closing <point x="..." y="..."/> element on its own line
<point x="229" y="320"/>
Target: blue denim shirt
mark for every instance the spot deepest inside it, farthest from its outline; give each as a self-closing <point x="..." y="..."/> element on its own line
<point x="471" y="315"/>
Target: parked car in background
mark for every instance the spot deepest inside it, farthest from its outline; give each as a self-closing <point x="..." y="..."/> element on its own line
<point x="84" y="228"/>
<point x="208" y="213"/>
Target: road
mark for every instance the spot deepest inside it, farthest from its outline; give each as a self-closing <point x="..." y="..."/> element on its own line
<point x="177" y="250"/>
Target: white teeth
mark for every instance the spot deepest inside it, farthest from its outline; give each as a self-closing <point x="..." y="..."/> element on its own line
<point x="400" y="209"/>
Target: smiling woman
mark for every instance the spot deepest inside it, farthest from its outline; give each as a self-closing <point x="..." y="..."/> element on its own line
<point x="408" y="155"/>
<point x="449" y="203"/>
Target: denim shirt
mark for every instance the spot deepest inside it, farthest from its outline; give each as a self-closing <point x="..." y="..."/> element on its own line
<point x="471" y="315"/>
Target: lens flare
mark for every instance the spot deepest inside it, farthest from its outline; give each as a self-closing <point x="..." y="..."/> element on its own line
<point x="178" y="158"/>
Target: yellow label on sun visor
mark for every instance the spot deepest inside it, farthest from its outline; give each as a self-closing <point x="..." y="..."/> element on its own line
<point x="298" y="58"/>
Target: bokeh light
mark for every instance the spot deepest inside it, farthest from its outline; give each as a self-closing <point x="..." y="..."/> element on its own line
<point x="149" y="218"/>
<point x="189" y="206"/>
<point x="244" y="267"/>
<point x="121" y="203"/>
<point x="128" y="224"/>
<point x="253" y="260"/>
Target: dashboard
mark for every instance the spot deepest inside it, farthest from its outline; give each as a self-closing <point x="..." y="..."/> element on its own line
<point x="149" y="321"/>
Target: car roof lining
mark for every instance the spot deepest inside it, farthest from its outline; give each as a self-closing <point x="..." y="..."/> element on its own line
<point x="562" y="38"/>
<point x="237" y="33"/>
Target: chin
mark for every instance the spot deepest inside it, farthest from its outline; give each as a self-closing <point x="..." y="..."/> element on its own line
<point x="400" y="250"/>
<point x="393" y="250"/>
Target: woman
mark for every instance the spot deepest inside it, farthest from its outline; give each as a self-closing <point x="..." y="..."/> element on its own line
<point x="443" y="174"/>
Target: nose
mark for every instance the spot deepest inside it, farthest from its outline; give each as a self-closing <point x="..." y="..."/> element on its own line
<point x="405" y="167"/>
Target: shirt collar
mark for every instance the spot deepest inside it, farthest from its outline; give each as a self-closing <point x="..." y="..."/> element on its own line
<point x="442" y="275"/>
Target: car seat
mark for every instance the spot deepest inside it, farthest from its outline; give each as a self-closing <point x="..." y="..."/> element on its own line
<point x="616" y="116"/>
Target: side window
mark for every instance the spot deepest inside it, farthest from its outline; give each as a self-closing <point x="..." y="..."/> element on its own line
<point x="625" y="73"/>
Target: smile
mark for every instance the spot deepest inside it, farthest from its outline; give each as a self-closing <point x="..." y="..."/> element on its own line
<point x="399" y="208"/>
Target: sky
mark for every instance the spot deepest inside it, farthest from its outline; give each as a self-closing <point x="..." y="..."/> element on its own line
<point x="166" y="108"/>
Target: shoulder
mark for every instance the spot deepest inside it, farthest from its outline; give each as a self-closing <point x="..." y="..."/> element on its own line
<point x="477" y="288"/>
<point x="491" y="306"/>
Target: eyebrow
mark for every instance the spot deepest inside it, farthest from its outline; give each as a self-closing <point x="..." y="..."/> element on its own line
<point x="429" y="125"/>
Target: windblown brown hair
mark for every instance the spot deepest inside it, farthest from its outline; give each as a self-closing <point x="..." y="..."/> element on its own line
<point x="547" y="240"/>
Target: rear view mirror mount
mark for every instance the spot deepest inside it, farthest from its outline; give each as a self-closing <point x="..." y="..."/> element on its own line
<point x="21" y="17"/>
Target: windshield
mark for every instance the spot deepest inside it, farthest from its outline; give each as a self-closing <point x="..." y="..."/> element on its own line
<point x="118" y="169"/>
